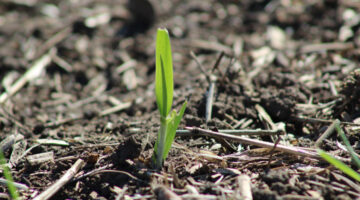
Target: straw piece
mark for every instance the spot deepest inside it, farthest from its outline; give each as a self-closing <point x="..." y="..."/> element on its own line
<point x="48" y="193"/>
<point x="34" y="72"/>
<point x="279" y="147"/>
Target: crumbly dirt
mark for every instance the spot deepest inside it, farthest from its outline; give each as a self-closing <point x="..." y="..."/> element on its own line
<point x="289" y="64"/>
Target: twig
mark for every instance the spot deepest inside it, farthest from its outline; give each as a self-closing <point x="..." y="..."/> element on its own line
<point x="272" y="152"/>
<point x="34" y="72"/>
<point x="104" y="170"/>
<point x="337" y="189"/>
<point x="59" y="61"/>
<point x="291" y="150"/>
<point x="115" y="108"/>
<point x="192" y="54"/>
<point x="327" y="133"/>
<point x="325" y="121"/>
<point x="349" y="182"/>
<point x="48" y="193"/>
<point x="210" y="45"/>
<point x="26" y="152"/>
<point x="326" y="47"/>
<point x="211" y="80"/>
<point x="9" y="141"/>
<point x="97" y="145"/>
<point x="227" y="70"/>
<point x="264" y="116"/>
<point x="333" y="88"/>
<point x="209" y="98"/>
<point x="199" y="196"/>
<point x="93" y="172"/>
<point x="58" y="37"/>
<point x="82" y="102"/>
<point x="237" y="132"/>
<point x="138" y="196"/>
<point x="211" y="91"/>
<point x="298" y="197"/>
<point x="60" y="122"/>
<point x="217" y="62"/>
<point x="243" y="123"/>
<point x="128" y="64"/>
<point x="111" y="171"/>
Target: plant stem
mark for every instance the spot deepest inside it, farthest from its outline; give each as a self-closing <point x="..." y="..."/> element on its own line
<point x="161" y="143"/>
<point x="7" y="174"/>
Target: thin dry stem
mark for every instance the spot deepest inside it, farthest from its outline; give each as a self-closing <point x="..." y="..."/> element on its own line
<point x="48" y="193"/>
<point x="327" y="133"/>
<point x="31" y="74"/>
<point x="291" y="150"/>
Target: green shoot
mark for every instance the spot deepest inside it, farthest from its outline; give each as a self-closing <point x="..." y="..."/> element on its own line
<point x="164" y="86"/>
<point x="340" y="165"/>
<point x="337" y="163"/>
<point x="353" y="155"/>
<point x="10" y="183"/>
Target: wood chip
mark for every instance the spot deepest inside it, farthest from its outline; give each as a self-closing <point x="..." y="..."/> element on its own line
<point x="7" y="143"/>
<point x="52" y="142"/>
<point x="34" y="72"/>
<point x="326" y="47"/>
<point x="19" y="149"/>
<point x="40" y="158"/>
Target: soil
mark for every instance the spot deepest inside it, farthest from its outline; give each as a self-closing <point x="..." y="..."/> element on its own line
<point x="290" y="64"/>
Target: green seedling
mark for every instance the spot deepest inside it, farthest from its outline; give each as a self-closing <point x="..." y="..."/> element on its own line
<point x="7" y="174"/>
<point x="337" y="163"/>
<point x="353" y="155"/>
<point x="164" y="86"/>
<point x="340" y="165"/>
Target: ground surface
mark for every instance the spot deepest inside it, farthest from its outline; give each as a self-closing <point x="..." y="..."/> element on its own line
<point x="278" y="63"/>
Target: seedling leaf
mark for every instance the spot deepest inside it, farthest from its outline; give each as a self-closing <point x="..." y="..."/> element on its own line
<point x="164" y="85"/>
<point x="174" y="123"/>
<point x="353" y="155"/>
<point x="10" y="182"/>
<point x="340" y="165"/>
